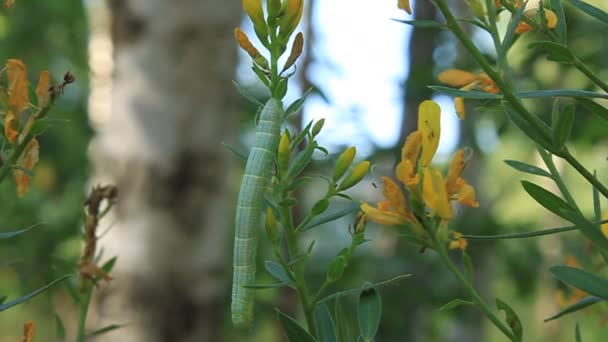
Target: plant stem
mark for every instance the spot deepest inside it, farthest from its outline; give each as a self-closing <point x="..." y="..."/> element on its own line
<point x="557" y="178"/>
<point x="509" y="95"/>
<point x="12" y="159"/>
<point x="469" y="287"/>
<point x="85" y="300"/>
<point x="298" y="269"/>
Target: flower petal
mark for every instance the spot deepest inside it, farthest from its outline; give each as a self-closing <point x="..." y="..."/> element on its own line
<point x="457" y="78"/>
<point x="429" y="125"/>
<point x="435" y="195"/>
<point x="388" y="218"/>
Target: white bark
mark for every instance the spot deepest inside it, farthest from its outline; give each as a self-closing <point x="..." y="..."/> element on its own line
<point x="172" y="106"/>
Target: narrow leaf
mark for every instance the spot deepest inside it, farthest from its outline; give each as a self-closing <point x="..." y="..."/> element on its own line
<point x="577" y="333"/>
<point x="591" y="10"/>
<point x="293" y="331"/>
<point x="581" y="304"/>
<point x="528" y="129"/>
<point x="325" y="324"/>
<point x="454" y="303"/>
<point x="369" y="311"/>
<point x="59" y="328"/>
<point x="296" y="105"/>
<point x="105" y="330"/>
<point x="512" y="320"/>
<point x="551" y="201"/>
<point x="467" y="94"/>
<point x="562" y="127"/>
<point x="6" y="235"/>
<point x="355" y="291"/>
<point x="557" y="52"/>
<point x="421" y="23"/>
<point x="239" y="155"/>
<point x="266" y="286"/>
<point x="277" y="271"/>
<point x="329" y="216"/>
<point x="594" y="108"/>
<point x="560" y="93"/>
<point x="246" y="94"/>
<point x="581" y="279"/>
<point x="33" y="293"/>
<point x="527" y="168"/>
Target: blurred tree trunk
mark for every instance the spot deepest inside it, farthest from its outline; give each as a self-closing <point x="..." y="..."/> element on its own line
<point x="172" y="106"/>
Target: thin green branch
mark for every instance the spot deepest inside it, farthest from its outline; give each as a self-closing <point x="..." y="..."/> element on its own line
<point x="547" y="231"/>
<point x="557" y="178"/>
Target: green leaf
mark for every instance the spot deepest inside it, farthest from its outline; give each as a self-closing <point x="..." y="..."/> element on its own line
<point x="105" y="330"/>
<point x="6" y="235"/>
<point x="246" y="94"/>
<point x="577" y="333"/>
<point x="467" y="94"/>
<point x="527" y="168"/>
<point x="508" y="39"/>
<point x="356" y="291"/>
<point x="109" y="265"/>
<point x="422" y="23"/>
<point x="324" y="324"/>
<point x="581" y="279"/>
<point x="528" y="129"/>
<point x="581" y="304"/>
<point x="591" y="10"/>
<point x="512" y="320"/>
<point x="266" y="286"/>
<point x="369" y="311"/>
<point x="293" y="331"/>
<point x="454" y="303"/>
<point x="39" y="126"/>
<point x="562" y="127"/>
<point x="560" y="93"/>
<point x="296" y="105"/>
<point x="594" y="108"/>
<point x="336" y="269"/>
<point x="557" y="52"/>
<point x="552" y="202"/>
<point x="59" y="328"/>
<point x="278" y="272"/>
<point x="468" y="266"/>
<point x="560" y="28"/>
<point x="33" y="293"/>
<point x="3" y="299"/>
<point x="330" y="216"/>
<point x="239" y="155"/>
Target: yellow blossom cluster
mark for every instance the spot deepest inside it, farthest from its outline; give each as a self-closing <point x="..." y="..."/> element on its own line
<point x="423" y="182"/>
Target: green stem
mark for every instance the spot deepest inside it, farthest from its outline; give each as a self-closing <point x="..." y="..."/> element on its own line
<point x="12" y="159"/>
<point x="85" y="300"/>
<point x="520" y="235"/>
<point x="592" y="76"/>
<point x="509" y="95"/>
<point x="469" y="288"/>
<point x="547" y="158"/>
<point x="292" y="248"/>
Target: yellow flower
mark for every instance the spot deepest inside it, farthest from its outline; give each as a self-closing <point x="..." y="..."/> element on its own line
<point x="406" y="169"/>
<point x="604" y="227"/>
<point x="290" y="18"/>
<point x="28" y="160"/>
<point x="435" y="194"/>
<point x="550" y="16"/>
<point x="466" y="195"/>
<point x="29" y="329"/>
<point x="18" y="98"/>
<point x="394" y="210"/>
<point x="254" y="10"/>
<point x="466" y="81"/>
<point x="429" y="126"/>
<point x="457" y="242"/>
<point x="405" y="5"/>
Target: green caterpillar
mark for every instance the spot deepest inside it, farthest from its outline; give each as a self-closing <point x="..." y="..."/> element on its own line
<point x="249" y="209"/>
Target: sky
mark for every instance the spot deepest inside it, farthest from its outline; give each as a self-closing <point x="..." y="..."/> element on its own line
<point x="360" y="63"/>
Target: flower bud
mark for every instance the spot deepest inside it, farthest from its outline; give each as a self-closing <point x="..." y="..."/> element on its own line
<point x="284" y="153"/>
<point x="296" y="51"/>
<point x="272" y="227"/>
<point x="254" y="10"/>
<point x="355" y="176"/>
<point x="343" y="163"/>
<point x="290" y="18"/>
<point x="246" y="45"/>
<point x="317" y="127"/>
